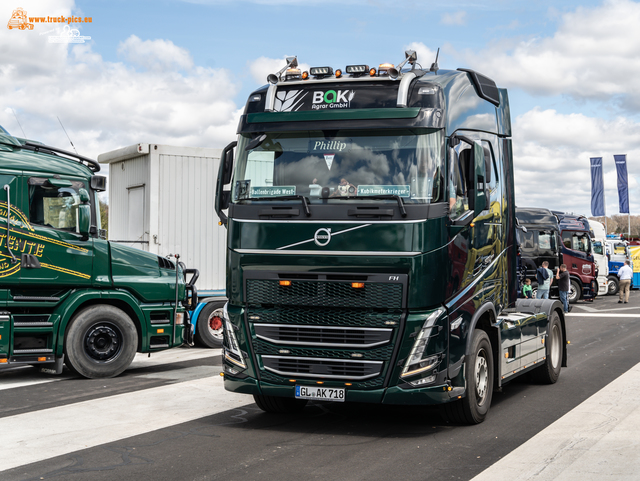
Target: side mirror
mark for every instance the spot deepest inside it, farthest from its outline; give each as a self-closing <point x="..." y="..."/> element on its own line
<point x="227" y="160"/>
<point x="84" y="219"/>
<point x="224" y="178"/>
<point x="480" y="195"/>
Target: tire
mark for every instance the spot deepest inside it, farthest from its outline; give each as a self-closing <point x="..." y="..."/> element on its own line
<point x="575" y="292"/>
<point x="613" y="286"/>
<point x="273" y="404"/>
<point x="478" y="368"/>
<point x="210" y="326"/>
<point x="549" y="372"/>
<point x="100" y="342"/>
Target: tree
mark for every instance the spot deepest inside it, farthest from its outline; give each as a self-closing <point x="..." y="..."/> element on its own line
<point x="104" y="216"/>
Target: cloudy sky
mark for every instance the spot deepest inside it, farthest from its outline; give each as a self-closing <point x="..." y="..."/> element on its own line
<point x="178" y="72"/>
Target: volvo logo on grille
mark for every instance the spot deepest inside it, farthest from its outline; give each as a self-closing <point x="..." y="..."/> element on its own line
<point x="322" y="237"/>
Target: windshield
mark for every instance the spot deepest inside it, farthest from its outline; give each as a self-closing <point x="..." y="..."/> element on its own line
<point x="342" y="164"/>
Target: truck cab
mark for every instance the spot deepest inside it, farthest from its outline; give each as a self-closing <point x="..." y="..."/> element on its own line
<point x="67" y="295"/>
<point x="371" y="243"/>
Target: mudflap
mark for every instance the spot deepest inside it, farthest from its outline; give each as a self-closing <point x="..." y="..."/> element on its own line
<point x="55" y="368"/>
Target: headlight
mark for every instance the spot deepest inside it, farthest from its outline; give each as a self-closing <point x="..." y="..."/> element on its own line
<point x="232" y="351"/>
<point x="417" y="363"/>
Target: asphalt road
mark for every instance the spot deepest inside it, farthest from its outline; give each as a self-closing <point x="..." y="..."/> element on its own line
<point x="168" y="418"/>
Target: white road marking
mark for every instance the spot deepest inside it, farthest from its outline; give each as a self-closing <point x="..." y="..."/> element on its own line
<point x="598" y="439"/>
<point x="44" y="434"/>
<point x="14" y="377"/>
<point x="593" y="314"/>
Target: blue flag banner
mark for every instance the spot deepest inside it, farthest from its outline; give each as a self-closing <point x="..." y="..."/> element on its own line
<point x="623" y="184"/>
<point x="597" y="188"/>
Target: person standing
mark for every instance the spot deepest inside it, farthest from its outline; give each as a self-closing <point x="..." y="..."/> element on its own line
<point x="543" y="276"/>
<point x="527" y="291"/>
<point x="625" y="274"/>
<point x="563" y="286"/>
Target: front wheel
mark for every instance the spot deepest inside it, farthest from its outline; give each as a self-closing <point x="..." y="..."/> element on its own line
<point x="209" y="326"/>
<point x="574" y="292"/>
<point x="549" y="372"/>
<point x="100" y="342"/>
<point x="612" y="286"/>
<point x="478" y="366"/>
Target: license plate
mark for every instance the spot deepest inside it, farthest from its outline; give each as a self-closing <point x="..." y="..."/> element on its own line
<point x="321" y="393"/>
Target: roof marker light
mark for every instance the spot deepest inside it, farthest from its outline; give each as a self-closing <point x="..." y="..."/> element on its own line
<point x="338" y="73"/>
<point x="320" y="72"/>
<point x="357" y="69"/>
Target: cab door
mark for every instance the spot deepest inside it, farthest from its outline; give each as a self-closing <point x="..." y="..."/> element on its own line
<point x="54" y="252"/>
<point x="9" y="258"/>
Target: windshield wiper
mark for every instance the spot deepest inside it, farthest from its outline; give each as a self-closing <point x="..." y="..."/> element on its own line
<point x="397" y="198"/>
<point x="305" y="201"/>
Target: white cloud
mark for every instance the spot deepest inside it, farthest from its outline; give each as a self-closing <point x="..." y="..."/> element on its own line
<point x="105" y="105"/>
<point x="455" y="18"/>
<point x="592" y="55"/>
<point x="155" y="54"/>
<point x="551" y="159"/>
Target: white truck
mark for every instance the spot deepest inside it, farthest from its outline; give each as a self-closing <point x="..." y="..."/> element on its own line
<point x="599" y="240"/>
<point x="161" y="200"/>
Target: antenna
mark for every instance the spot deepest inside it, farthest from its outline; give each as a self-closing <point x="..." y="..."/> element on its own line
<point x="14" y="114"/>
<point x="65" y="131"/>
<point x="434" y="65"/>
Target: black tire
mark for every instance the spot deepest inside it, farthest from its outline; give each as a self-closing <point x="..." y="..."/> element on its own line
<point x="575" y="292"/>
<point x="478" y="366"/>
<point x="549" y="372"/>
<point x="100" y="342"/>
<point x="210" y="325"/>
<point x="273" y="404"/>
<point x="613" y="286"/>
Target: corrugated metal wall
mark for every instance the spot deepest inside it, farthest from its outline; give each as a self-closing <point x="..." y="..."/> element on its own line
<point x="123" y="176"/>
<point x="186" y="220"/>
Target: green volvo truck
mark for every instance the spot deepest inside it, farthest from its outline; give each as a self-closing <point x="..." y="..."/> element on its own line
<point x="372" y="250"/>
<point x="66" y="294"/>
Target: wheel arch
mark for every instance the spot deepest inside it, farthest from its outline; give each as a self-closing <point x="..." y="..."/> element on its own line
<point x="82" y="300"/>
<point x="484" y="319"/>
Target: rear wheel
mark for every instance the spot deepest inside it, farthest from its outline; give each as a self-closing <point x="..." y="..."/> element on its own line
<point x="100" y="342"/>
<point x="274" y="404"/>
<point x="209" y="326"/>
<point x="574" y="292"/>
<point x="612" y="286"/>
<point x="478" y="365"/>
<point x="550" y="371"/>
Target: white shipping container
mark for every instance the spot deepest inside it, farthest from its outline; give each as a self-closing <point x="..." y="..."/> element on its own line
<point x="161" y="199"/>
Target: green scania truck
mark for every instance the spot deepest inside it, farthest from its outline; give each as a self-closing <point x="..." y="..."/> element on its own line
<point x="372" y="249"/>
<point x="66" y="294"/>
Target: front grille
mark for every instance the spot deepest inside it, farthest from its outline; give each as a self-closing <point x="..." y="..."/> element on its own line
<point x="323" y="336"/>
<point x="322" y="368"/>
<point x="324" y="317"/>
<point x="374" y="295"/>
<point x="382" y="353"/>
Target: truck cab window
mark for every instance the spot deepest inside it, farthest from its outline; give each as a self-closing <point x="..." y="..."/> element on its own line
<point x="54" y="206"/>
<point x="577" y="241"/>
<point x="459" y="159"/>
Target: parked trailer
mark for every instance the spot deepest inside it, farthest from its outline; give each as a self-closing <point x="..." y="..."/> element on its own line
<point x="161" y="200"/>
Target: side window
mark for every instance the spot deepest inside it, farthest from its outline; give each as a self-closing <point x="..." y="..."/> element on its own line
<point x="578" y="241"/>
<point x="460" y="157"/>
<point x="54" y="203"/>
<point x="528" y="242"/>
